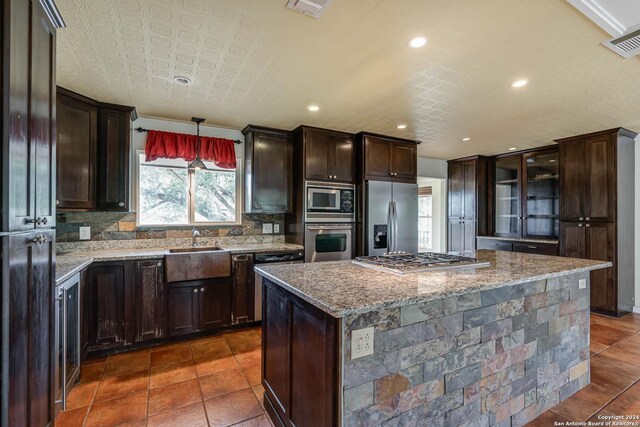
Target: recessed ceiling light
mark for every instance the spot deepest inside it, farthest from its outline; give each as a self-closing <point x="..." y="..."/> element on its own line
<point x="417" y="42"/>
<point x="466" y="139"/>
<point x="513" y="148"/>
<point x="182" y="80"/>
<point x="402" y="126"/>
<point x="313" y="107"/>
<point x="519" y="83"/>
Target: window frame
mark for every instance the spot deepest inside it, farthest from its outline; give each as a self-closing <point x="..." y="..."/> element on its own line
<point x="191" y="198"/>
<point x="427" y="217"/>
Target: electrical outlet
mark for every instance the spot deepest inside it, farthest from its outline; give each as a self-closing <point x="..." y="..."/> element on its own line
<point x="582" y="283"/>
<point x="84" y="233"/>
<point x="361" y="342"/>
<point x="267" y="228"/>
<point x="276" y="228"/>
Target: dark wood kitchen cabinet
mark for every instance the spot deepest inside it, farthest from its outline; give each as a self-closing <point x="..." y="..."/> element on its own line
<point x="300" y="360"/>
<point x="77" y="118"/>
<point x="114" y="130"/>
<point x="467" y="202"/>
<point x="597" y="210"/>
<point x="198" y="305"/>
<point x="149" y="299"/>
<point x="328" y="155"/>
<point x="388" y="159"/>
<point x="242" y="289"/>
<point x="268" y="170"/>
<point x="27" y="318"/>
<point x="109" y="307"/>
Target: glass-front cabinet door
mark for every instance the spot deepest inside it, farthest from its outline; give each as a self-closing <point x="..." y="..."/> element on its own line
<point x="507" y="215"/>
<point x="541" y="191"/>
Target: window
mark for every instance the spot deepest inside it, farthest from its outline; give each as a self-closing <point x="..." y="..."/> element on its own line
<point x="171" y="194"/>
<point x="425" y="219"/>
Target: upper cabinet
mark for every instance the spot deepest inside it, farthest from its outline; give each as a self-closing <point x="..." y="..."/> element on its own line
<point x="77" y="151"/>
<point x="268" y="170"/>
<point x="388" y="159"/>
<point x="114" y="132"/>
<point x="93" y="154"/>
<point x="328" y="155"/>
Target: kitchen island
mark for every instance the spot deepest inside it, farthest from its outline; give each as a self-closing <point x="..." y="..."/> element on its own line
<point x="496" y="345"/>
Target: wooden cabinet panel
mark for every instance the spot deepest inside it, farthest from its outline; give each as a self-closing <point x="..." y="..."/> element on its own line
<point x="28" y="313"/>
<point x="268" y="170"/>
<point x="149" y="300"/>
<point x="601" y="178"/>
<point x="214" y="309"/>
<point x="469" y="192"/>
<point x="77" y="152"/>
<point x="276" y="327"/>
<point x="469" y="235"/>
<point x="343" y="159"/>
<point x="110" y="308"/>
<point x="572" y="240"/>
<point x="377" y="159"/>
<point x="43" y="119"/>
<point x="182" y="310"/>
<point x="243" y="288"/>
<point x="456" y="186"/>
<point x="318" y="146"/>
<point x="600" y="246"/>
<point x="536" y="248"/>
<point x="405" y="161"/>
<point x="573" y="181"/>
<point x="456" y="239"/>
<point x="312" y="393"/>
<point x="113" y="158"/>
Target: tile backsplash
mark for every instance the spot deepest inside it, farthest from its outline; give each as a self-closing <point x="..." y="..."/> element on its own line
<point x="122" y="226"/>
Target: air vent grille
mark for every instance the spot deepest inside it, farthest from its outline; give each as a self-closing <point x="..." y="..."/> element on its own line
<point x="627" y="45"/>
<point x="313" y="8"/>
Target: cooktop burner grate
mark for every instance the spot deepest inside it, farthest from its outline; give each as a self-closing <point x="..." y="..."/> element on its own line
<point x="415" y="262"/>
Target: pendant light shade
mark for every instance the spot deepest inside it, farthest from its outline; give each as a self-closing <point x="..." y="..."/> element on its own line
<point x="197" y="163"/>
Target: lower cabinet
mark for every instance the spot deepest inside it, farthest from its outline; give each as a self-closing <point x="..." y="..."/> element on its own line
<point x="149" y="299"/>
<point x="462" y="235"/>
<point x="531" y="247"/>
<point x="242" y="292"/>
<point x="198" y="305"/>
<point x="300" y="360"/>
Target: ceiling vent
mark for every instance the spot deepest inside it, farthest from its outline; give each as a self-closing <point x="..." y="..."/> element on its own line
<point x="313" y="8"/>
<point x="625" y="46"/>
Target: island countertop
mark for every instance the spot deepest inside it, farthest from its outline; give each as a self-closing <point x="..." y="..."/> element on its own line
<point x="342" y="288"/>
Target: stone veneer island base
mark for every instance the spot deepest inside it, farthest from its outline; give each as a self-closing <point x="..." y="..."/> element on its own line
<point x="493" y="346"/>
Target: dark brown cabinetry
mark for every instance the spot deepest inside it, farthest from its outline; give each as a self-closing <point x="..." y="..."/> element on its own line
<point x="388" y="159"/>
<point x="328" y="155"/>
<point x="268" y="170"/>
<point x="149" y="299"/>
<point x="529" y="247"/>
<point x="596" y="212"/>
<point x="114" y="124"/>
<point x="467" y="202"/>
<point x="93" y="154"/>
<point x="299" y="363"/>
<point x="77" y="118"/>
<point x="243" y="288"/>
<point x="109" y="308"/>
<point x="198" y="305"/>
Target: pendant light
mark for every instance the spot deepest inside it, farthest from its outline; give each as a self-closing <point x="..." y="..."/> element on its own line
<point x="197" y="163"/>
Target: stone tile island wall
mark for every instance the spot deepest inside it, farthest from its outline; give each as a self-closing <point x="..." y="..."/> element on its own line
<point x="491" y="358"/>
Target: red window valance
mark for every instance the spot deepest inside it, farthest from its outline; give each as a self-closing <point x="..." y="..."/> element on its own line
<point x="170" y="145"/>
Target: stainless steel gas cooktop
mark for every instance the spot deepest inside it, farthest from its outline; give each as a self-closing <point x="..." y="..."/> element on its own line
<point x="402" y="263"/>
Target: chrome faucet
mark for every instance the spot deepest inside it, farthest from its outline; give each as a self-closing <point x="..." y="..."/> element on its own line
<point x="194" y="234"/>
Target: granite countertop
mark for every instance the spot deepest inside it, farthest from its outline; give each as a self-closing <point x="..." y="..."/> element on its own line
<point x="67" y="264"/>
<point x="342" y="288"/>
<point x="521" y="239"/>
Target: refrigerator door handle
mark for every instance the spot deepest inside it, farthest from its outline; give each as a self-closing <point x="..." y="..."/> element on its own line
<point x="390" y="236"/>
<point x="395" y="227"/>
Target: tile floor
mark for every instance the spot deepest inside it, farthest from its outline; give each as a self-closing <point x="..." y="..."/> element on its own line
<point x="615" y="375"/>
<point x="214" y="381"/>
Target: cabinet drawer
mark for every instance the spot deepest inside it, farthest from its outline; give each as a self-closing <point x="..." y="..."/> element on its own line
<point x="536" y="248"/>
<point x="495" y="245"/>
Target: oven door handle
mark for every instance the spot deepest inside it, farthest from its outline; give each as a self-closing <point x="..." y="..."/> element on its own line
<point x="318" y="228"/>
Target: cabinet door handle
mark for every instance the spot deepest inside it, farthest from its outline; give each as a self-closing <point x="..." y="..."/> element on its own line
<point x="57" y="202"/>
<point x="44" y="220"/>
<point x="588" y="225"/>
<point x="581" y="219"/>
<point x="159" y="264"/>
<point x="121" y="204"/>
<point x="201" y="289"/>
<point x="587" y="219"/>
<point x="532" y="247"/>
<point x="579" y="225"/>
<point x="195" y="291"/>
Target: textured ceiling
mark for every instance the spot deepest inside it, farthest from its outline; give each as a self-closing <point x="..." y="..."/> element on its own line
<point x="255" y="61"/>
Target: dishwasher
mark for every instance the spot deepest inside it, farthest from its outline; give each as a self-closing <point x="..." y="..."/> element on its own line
<point x="281" y="257"/>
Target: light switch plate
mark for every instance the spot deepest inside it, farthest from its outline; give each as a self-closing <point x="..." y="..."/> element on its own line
<point x="267" y="228"/>
<point x="582" y="283"/>
<point x="361" y="342"/>
<point x="276" y="228"/>
<point x="84" y="233"/>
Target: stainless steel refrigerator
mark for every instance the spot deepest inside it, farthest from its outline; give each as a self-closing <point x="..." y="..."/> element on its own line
<point x="391" y="217"/>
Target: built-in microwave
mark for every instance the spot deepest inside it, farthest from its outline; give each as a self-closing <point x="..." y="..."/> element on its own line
<point x="329" y="202"/>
